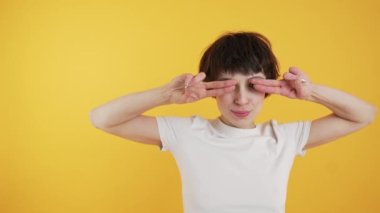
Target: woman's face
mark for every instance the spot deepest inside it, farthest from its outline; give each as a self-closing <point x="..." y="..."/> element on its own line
<point x="240" y="107"/>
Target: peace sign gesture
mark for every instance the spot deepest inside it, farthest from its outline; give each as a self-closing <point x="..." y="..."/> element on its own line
<point x="295" y="84"/>
<point x="187" y="88"/>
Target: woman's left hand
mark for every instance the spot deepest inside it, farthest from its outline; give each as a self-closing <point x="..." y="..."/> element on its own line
<point x="295" y="84"/>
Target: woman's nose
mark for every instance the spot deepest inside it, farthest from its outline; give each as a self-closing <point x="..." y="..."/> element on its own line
<point x="241" y="97"/>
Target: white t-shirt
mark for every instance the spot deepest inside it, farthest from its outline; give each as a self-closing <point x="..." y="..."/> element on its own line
<point x="226" y="169"/>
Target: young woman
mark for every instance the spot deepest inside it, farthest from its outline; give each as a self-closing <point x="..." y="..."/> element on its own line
<point x="230" y="163"/>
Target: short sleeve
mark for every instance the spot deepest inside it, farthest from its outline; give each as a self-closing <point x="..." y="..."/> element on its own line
<point x="169" y="129"/>
<point x="297" y="134"/>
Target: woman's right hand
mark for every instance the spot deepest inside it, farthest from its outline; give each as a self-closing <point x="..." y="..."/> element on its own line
<point x="187" y="88"/>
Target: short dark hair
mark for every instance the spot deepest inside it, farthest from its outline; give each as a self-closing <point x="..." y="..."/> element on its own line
<point x="239" y="52"/>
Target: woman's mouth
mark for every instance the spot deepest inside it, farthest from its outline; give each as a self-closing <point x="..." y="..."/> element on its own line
<point x="241" y="114"/>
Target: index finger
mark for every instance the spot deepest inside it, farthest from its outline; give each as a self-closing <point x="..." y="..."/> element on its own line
<point x="265" y="82"/>
<point x="220" y="84"/>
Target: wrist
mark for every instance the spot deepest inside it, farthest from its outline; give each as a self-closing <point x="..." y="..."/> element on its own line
<point x="313" y="93"/>
<point x="165" y="94"/>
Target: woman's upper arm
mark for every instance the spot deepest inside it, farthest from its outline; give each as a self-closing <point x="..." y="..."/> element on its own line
<point x="142" y="129"/>
<point x="329" y="128"/>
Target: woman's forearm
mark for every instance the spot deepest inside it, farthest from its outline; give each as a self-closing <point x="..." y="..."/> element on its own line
<point x="128" y="107"/>
<point x="343" y="104"/>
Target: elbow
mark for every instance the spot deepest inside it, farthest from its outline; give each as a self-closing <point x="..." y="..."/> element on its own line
<point x="372" y="114"/>
<point x="96" y="119"/>
<point x="93" y="120"/>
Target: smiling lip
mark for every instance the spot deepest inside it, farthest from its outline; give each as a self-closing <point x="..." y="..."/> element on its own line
<point x="240" y="114"/>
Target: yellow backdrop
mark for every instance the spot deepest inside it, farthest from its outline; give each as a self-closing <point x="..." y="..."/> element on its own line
<point x="60" y="59"/>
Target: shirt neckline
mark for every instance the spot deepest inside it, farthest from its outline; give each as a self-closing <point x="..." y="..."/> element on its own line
<point x="230" y="131"/>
